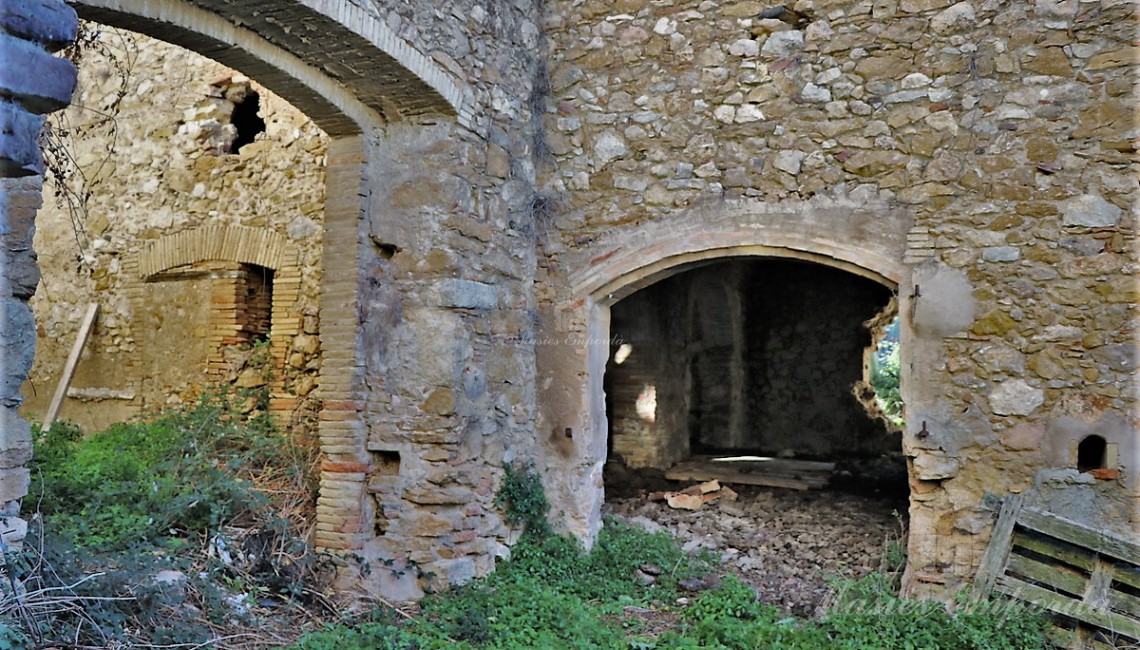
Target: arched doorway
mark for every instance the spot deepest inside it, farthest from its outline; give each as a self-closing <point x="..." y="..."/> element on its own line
<point x="867" y="241"/>
<point x="750" y="361"/>
<point x="744" y="356"/>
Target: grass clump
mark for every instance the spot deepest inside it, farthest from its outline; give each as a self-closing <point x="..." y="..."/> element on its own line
<point x="867" y="615"/>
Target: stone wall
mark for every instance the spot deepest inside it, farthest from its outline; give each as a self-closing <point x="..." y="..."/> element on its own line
<point x="33" y="83"/>
<point x="977" y="157"/>
<point x="1001" y="133"/>
<point x="155" y="215"/>
<point x="443" y="390"/>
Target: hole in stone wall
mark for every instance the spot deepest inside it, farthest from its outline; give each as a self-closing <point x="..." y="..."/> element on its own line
<point x="246" y="120"/>
<point x="380" y="521"/>
<point x="879" y="390"/>
<point x="1092" y="453"/>
<point x="387" y="462"/>
<point x="385" y="250"/>
<point x="383" y="476"/>
<point x="254" y="317"/>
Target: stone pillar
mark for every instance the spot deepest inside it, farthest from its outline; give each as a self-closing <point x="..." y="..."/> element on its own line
<point x="34" y="83"/>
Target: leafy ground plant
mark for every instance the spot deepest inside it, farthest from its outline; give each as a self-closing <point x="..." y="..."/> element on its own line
<point x="166" y="531"/>
<point x="552" y="594"/>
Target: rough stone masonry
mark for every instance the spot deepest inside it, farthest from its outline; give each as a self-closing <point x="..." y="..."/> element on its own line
<point x="32" y="83"/>
<point x="498" y="176"/>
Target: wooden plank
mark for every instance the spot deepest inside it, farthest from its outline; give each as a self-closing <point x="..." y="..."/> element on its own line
<point x="1065" y="580"/>
<point x="993" y="562"/>
<point x="1100" y="585"/>
<point x="1070" y="607"/>
<point x="1079" y="639"/>
<point x="1075" y="533"/>
<point x="69" y="367"/>
<point x="1129" y="575"/>
<point x="795" y="464"/>
<point x="1056" y="550"/>
<point x="1124" y="603"/>
<point x="765" y="469"/>
<point x="744" y="478"/>
<point x="774" y="468"/>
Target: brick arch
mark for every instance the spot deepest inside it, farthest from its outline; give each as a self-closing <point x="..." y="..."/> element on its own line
<point x="869" y="240"/>
<point x="236" y="244"/>
<point x="352" y="75"/>
<point x="242" y="244"/>
<point x="339" y="65"/>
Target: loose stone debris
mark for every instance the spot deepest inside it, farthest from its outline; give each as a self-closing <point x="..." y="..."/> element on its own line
<point x="787" y="544"/>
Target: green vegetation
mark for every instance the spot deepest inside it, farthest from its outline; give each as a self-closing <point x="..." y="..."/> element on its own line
<point x="885" y="376"/>
<point x="170" y="532"/>
<point x="160" y="531"/>
<point x="552" y="594"/>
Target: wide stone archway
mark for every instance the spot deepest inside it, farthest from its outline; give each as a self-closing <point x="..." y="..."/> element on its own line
<point x="865" y="239"/>
<point x="353" y="77"/>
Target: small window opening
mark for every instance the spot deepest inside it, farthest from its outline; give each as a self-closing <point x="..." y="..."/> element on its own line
<point x="1092" y="454"/>
<point x="247" y="121"/>
<point x="256" y="292"/>
<point x="386" y="462"/>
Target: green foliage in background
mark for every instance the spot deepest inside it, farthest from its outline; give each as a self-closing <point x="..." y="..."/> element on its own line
<point x="158" y="496"/>
<point x="885" y="380"/>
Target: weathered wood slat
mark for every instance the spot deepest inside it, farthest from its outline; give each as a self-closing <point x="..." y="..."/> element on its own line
<point x="1065" y="580"/>
<point x="1129" y="575"/>
<point x="69" y="366"/>
<point x="782" y="463"/>
<point x="1125" y="603"/>
<point x="1081" y="536"/>
<point x="702" y="473"/>
<point x="993" y="562"/>
<point x="1061" y="638"/>
<point x="767" y="469"/>
<point x="1066" y="606"/>
<point x="1063" y="553"/>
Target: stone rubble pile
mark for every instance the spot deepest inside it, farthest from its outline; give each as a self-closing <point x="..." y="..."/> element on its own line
<point x="786" y="544"/>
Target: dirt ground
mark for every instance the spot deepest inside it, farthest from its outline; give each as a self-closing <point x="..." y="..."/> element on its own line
<point x="786" y="543"/>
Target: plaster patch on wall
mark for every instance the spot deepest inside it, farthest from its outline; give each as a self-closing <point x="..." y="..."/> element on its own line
<point x="943" y="301"/>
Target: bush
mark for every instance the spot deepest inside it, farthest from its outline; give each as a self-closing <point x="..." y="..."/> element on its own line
<point x="178" y="492"/>
<point x="885" y="380"/>
<point x="184" y="472"/>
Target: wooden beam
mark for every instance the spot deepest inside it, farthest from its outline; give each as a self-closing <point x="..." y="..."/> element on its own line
<point x="69" y="367"/>
<point x="706" y="472"/>
<point x="993" y="562"/>
<point x="1081" y="558"/>
<point x="1070" y="607"/>
<point x="1074" y="533"/>
<point x="1066" y="580"/>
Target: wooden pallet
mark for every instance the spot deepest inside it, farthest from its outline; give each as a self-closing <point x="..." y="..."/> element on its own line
<point x="770" y="472"/>
<point x="1075" y="572"/>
